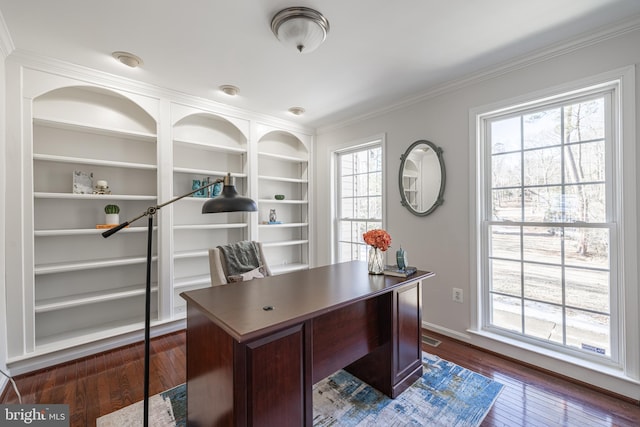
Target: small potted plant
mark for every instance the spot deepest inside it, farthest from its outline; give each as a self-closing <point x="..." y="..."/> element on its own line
<point x="112" y="214"/>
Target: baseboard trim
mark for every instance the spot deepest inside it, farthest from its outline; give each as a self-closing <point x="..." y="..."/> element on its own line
<point x="448" y="332"/>
<point x="43" y="361"/>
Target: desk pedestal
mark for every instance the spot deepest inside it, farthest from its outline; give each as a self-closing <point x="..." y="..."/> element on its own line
<point x="267" y="381"/>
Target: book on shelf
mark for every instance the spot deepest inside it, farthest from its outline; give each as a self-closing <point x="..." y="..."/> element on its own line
<point x="393" y="270"/>
<point x="104" y="226"/>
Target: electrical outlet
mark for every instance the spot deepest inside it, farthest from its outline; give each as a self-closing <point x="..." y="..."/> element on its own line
<point x="457" y="295"/>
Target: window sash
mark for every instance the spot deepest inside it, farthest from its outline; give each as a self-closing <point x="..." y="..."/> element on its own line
<point x="609" y="222"/>
<point x="373" y="198"/>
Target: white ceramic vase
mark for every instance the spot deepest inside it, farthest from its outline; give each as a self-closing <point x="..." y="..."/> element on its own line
<point x="112" y="218"/>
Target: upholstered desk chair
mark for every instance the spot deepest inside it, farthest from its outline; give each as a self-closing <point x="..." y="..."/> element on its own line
<point x="219" y="271"/>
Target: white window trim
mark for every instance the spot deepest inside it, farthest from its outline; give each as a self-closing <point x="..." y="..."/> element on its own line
<point x="625" y="175"/>
<point x="345" y="147"/>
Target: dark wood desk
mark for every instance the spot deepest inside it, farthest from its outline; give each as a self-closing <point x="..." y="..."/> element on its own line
<point x="255" y="349"/>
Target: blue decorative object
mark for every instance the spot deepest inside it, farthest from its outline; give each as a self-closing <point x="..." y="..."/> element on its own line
<point x="401" y="258"/>
<point x="216" y="189"/>
<point x="197" y="184"/>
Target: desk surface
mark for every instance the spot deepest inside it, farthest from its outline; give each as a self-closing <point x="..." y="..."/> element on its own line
<point x="238" y="308"/>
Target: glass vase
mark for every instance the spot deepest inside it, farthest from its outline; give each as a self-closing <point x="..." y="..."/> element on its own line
<point x="375" y="261"/>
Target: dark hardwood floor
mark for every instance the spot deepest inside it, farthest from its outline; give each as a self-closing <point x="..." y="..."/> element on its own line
<point x="535" y="398"/>
<point x="103" y="383"/>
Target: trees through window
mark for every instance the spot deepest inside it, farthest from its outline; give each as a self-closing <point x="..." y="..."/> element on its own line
<point x="549" y="220"/>
<point x="359" y="198"/>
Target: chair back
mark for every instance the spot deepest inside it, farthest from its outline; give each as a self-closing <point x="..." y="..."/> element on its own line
<point x="220" y="273"/>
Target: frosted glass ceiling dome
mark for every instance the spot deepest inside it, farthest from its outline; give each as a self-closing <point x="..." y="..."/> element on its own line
<point x="301" y="27"/>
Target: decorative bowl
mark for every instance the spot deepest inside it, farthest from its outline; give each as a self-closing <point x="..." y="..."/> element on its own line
<point x="279" y="196"/>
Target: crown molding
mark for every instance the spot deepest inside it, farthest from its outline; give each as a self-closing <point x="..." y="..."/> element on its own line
<point x="541" y="55"/>
<point x="6" y="42"/>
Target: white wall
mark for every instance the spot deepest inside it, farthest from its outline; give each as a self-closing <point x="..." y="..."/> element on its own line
<point x="440" y="242"/>
<point x="3" y="180"/>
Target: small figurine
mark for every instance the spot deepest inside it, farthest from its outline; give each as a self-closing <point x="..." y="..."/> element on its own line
<point x="215" y="190"/>
<point x="196" y="186"/>
<point x="102" y="187"/>
<point x="401" y="258"/>
<point x="272" y="216"/>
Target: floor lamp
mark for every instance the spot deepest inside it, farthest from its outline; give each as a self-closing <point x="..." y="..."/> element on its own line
<point x="227" y="201"/>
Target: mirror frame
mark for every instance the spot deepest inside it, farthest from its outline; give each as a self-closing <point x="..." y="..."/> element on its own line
<point x="440" y="200"/>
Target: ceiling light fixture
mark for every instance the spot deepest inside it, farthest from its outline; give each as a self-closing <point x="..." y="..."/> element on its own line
<point x="300" y="27"/>
<point x="296" y="111"/>
<point x="128" y="59"/>
<point x="229" y="90"/>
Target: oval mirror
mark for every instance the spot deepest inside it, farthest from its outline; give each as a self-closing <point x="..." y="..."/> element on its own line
<point x="422" y="178"/>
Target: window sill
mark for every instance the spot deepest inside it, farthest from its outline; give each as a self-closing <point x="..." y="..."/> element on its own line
<point x="556" y="361"/>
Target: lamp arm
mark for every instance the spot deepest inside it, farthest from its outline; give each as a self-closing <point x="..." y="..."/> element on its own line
<point x="150" y="212"/>
<point x="153" y="209"/>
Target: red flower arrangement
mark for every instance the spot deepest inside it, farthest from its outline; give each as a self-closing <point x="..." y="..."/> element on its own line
<point x="377" y="238"/>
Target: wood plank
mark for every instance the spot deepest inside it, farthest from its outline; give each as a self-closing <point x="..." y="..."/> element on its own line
<point x="533" y="397"/>
<point x="117" y="379"/>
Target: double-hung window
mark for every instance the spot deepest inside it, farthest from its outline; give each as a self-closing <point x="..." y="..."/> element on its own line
<point x="549" y="222"/>
<point x="359" y="201"/>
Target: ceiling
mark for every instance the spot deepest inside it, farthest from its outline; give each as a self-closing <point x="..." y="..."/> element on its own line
<point x="378" y="52"/>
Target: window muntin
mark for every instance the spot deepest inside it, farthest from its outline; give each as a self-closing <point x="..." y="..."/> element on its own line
<point x="549" y="220"/>
<point x="359" y="199"/>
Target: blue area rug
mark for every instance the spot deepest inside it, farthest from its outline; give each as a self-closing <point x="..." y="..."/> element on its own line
<point x="447" y="395"/>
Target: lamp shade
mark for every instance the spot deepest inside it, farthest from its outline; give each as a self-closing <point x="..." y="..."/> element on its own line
<point x="300" y="27"/>
<point x="229" y="201"/>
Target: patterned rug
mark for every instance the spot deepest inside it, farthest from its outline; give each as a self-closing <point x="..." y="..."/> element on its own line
<point x="447" y="395"/>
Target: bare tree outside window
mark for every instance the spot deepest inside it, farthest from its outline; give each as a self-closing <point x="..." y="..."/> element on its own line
<point x="359" y="201"/>
<point x="549" y="237"/>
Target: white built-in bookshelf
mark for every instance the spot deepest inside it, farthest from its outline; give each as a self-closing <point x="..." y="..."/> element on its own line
<point x="283" y="169"/>
<point x="71" y="287"/>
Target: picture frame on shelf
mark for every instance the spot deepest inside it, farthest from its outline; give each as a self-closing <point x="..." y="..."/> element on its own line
<point x="82" y="182"/>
